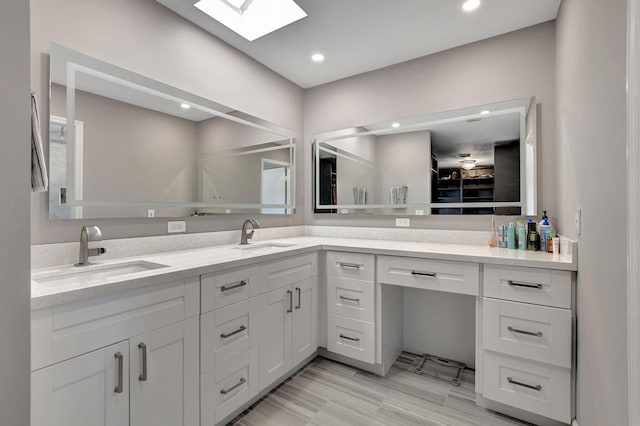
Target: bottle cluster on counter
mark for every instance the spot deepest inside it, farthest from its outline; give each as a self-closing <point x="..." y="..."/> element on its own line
<point x="534" y="236"/>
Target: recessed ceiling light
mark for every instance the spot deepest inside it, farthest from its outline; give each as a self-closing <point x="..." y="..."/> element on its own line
<point x="485" y="112"/>
<point x="395" y="125"/>
<point x="470" y="5"/>
<point x="252" y="19"/>
<point x="317" y="57"/>
<point x="185" y="106"/>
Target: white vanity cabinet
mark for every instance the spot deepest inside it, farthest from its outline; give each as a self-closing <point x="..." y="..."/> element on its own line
<point x="289" y="315"/>
<point x="527" y="340"/>
<point x="257" y="323"/>
<point x="124" y="359"/>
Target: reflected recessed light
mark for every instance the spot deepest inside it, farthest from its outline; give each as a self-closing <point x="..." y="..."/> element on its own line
<point x="317" y="57"/>
<point x="395" y="125"/>
<point x="485" y="112"/>
<point x="252" y="19"/>
<point x="185" y="106"/>
<point x="470" y="5"/>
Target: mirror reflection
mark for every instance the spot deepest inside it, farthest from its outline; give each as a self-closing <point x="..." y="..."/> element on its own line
<point x="123" y="145"/>
<point x="476" y="160"/>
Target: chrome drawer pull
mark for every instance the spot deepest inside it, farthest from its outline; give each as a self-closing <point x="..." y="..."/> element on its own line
<point x="423" y="274"/>
<point x="143" y="376"/>
<point x="524" y="385"/>
<point x="231" y="389"/>
<point x="528" y="333"/>
<point x="350" y="265"/>
<point x="517" y="284"/>
<point x="233" y="333"/>
<point x="353" y="339"/>
<point x="232" y="286"/>
<point x="120" y="386"/>
<point x="350" y="299"/>
<point x="290" y="293"/>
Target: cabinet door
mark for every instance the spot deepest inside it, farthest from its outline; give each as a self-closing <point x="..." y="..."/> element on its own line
<point x="275" y="341"/>
<point x="305" y="319"/>
<point x="89" y="390"/>
<point x="164" y="376"/>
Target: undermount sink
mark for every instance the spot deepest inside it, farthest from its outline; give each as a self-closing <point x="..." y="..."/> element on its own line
<point x="75" y="274"/>
<point x="263" y="246"/>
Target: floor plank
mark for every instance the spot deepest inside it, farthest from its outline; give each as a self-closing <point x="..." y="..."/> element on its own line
<point x="327" y="393"/>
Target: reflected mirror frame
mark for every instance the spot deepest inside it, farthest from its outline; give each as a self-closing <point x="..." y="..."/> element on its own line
<point x="525" y="107"/>
<point x="66" y="63"/>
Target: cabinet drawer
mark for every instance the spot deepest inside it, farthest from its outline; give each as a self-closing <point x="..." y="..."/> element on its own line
<point x="227" y="332"/>
<point x="529" y="285"/>
<point x="356" y="266"/>
<point x="539" y="388"/>
<point x="226" y="288"/>
<point x="63" y="332"/>
<point x="228" y="387"/>
<point x="352" y="338"/>
<point x="351" y="298"/>
<point x="288" y="271"/>
<point x="539" y="333"/>
<point x="440" y="275"/>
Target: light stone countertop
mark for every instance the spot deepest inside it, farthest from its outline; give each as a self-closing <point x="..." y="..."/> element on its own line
<point x="193" y="262"/>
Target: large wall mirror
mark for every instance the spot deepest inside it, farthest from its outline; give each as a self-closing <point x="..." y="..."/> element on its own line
<point x="124" y="145"/>
<point x="475" y="160"/>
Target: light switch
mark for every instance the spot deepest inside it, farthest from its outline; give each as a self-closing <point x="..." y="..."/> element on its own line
<point x="578" y="221"/>
<point x="176" y="226"/>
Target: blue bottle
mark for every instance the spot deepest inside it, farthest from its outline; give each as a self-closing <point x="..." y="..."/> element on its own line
<point x="511" y="236"/>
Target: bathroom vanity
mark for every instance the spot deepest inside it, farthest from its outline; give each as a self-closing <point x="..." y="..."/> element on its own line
<point x="194" y="337"/>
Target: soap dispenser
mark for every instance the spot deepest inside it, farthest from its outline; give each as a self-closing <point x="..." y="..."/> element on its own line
<point x="544" y="228"/>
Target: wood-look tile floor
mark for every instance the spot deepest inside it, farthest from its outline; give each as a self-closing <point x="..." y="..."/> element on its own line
<point x="332" y="394"/>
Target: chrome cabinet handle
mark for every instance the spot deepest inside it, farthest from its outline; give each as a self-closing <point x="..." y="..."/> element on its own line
<point x="232" y="286"/>
<point x="143" y="376"/>
<point x="528" y="333"/>
<point x="349" y="299"/>
<point x="353" y="339"/>
<point x="423" y="274"/>
<point x="240" y="383"/>
<point x="517" y="284"/>
<point x="350" y="265"/>
<point x="299" y="291"/>
<point x="524" y="385"/>
<point x="120" y="387"/>
<point x="233" y="333"/>
<point x="290" y="293"/>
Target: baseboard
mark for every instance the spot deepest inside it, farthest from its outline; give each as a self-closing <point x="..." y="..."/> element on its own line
<point x="371" y="368"/>
<point x="518" y="413"/>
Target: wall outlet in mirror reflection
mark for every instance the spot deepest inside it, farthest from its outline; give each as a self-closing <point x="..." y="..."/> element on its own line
<point x="403" y="222"/>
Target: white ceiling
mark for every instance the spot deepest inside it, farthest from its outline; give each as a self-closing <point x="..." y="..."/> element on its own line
<point x="357" y="36"/>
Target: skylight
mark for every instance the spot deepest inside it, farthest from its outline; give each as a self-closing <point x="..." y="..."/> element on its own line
<point x="252" y="19"/>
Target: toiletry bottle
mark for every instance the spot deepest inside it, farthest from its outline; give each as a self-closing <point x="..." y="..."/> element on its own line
<point x="493" y="236"/>
<point x="532" y="238"/>
<point x="550" y="239"/>
<point x="522" y="235"/>
<point x="502" y="237"/>
<point x="511" y="236"/>
<point x="543" y="226"/>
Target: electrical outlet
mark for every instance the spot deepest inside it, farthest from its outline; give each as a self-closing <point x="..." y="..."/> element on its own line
<point x="344" y="211"/>
<point x="403" y="222"/>
<point x="419" y="212"/>
<point x="176" y="226"/>
<point x="151" y="213"/>
<point x="578" y="221"/>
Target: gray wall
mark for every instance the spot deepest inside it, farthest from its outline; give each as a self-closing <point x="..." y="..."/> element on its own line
<point x="14" y="213"/>
<point x="514" y="65"/>
<point x="145" y="37"/>
<point x="591" y="64"/>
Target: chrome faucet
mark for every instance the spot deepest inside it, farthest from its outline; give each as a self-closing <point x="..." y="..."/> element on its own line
<point x="246" y="234"/>
<point x="89" y="233"/>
